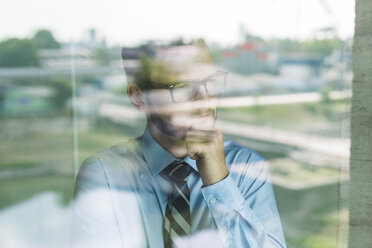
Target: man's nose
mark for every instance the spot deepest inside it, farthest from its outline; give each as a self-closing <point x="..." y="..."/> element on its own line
<point x="201" y="101"/>
<point x="202" y="94"/>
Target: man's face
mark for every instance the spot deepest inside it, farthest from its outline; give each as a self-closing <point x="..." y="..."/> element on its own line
<point x="184" y="103"/>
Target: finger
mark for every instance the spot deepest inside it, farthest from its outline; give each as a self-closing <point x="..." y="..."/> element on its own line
<point x="197" y="151"/>
<point x="202" y="127"/>
<point x="198" y="139"/>
<point x="195" y="137"/>
<point x="207" y="133"/>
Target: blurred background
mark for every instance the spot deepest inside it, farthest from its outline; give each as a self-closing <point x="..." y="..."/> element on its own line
<point x="63" y="97"/>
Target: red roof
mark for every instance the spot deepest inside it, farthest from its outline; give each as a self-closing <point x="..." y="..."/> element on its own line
<point x="248" y="46"/>
<point x="229" y="54"/>
<point x="261" y="56"/>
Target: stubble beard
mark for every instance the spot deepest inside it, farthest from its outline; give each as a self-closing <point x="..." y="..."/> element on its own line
<point x="169" y="129"/>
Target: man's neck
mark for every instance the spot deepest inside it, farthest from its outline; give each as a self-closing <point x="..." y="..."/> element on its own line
<point x="174" y="146"/>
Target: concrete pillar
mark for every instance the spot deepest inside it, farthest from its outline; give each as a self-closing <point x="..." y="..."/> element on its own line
<point x="360" y="200"/>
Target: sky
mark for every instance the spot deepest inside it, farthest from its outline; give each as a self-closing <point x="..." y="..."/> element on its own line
<point x="127" y="22"/>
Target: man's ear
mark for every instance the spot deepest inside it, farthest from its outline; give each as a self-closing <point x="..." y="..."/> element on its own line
<point x="136" y="96"/>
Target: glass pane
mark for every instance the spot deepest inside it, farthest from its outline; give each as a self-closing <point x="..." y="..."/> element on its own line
<point x="216" y="85"/>
<point x="84" y="141"/>
<point x="183" y="92"/>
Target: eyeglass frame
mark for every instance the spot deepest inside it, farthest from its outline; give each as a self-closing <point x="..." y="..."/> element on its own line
<point x="196" y="87"/>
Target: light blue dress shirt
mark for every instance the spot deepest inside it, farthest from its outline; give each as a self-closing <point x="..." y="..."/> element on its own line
<point x="120" y="200"/>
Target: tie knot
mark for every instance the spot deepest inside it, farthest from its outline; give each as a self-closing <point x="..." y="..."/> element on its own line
<point x="177" y="171"/>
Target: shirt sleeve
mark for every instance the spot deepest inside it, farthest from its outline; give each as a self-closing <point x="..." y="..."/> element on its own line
<point x="244" y="208"/>
<point x="93" y="220"/>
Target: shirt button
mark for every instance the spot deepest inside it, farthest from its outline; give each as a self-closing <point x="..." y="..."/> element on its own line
<point x="212" y="200"/>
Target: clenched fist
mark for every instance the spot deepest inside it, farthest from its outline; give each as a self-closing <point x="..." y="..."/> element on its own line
<point x="207" y="148"/>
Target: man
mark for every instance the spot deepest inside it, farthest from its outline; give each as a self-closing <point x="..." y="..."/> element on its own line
<point x="179" y="184"/>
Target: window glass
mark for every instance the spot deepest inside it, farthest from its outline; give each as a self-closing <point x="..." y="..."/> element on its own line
<point x="278" y="73"/>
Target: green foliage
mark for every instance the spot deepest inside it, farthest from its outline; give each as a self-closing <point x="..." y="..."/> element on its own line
<point x="18" y="53"/>
<point x="322" y="47"/>
<point x="318" y="242"/>
<point x="60" y="86"/>
<point x="178" y="42"/>
<point x="24" y="52"/>
<point x="18" y="164"/>
<point x="44" y="39"/>
<point x="324" y="93"/>
<point x="18" y="191"/>
<point x="287" y="45"/>
<point x="62" y="92"/>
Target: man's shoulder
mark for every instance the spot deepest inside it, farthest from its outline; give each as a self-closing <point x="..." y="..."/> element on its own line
<point x="113" y="156"/>
<point x="245" y="165"/>
<point x="112" y="166"/>
<point x="238" y="152"/>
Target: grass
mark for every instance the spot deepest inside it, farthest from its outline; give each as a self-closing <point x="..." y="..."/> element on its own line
<point x="311" y="217"/>
<point x="54" y="148"/>
<point x="15" y="191"/>
<point x="332" y="234"/>
<point x="47" y="150"/>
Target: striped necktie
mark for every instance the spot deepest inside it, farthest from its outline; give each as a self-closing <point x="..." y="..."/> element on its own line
<point x="177" y="220"/>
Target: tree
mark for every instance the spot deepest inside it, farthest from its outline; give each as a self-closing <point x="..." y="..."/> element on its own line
<point x="62" y="92"/>
<point x="18" y="53"/>
<point x="322" y="47"/>
<point x="44" y="39"/>
<point x="177" y="42"/>
<point x="287" y="45"/>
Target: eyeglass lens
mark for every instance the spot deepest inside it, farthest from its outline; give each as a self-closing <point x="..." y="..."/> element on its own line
<point x="187" y="91"/>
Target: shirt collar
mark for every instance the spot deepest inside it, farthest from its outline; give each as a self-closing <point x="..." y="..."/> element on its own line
<point x="156" y="156"/>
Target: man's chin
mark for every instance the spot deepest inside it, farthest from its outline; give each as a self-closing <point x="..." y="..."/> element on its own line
<point x="179" y="135"/>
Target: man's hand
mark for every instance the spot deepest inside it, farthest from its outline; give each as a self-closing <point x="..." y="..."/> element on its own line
<point x="206" y="147"/>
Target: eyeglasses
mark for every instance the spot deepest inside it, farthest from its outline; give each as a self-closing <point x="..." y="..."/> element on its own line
<point x="213" y="84"/>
